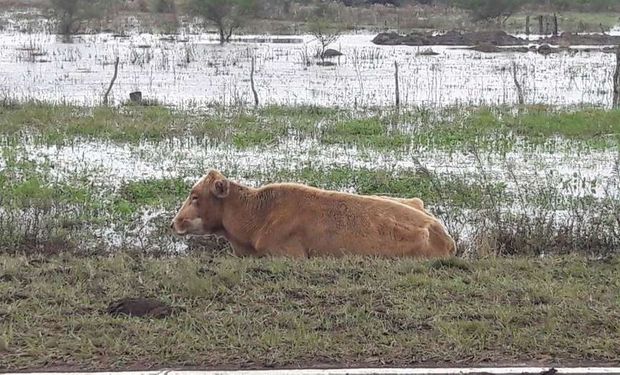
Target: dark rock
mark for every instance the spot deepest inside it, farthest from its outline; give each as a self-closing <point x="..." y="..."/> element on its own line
<point x="427" y="52"/>
<point x="388" y="39"/>
<point x="546" y="49"/>
<point x="329" y="53"/>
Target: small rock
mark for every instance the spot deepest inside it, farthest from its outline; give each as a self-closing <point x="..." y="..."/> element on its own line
<point x="427" y="52"/>
<point x="546" y="49"/>
<point x="329" y="53"/>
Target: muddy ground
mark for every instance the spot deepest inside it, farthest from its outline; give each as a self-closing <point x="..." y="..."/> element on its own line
<point x="495" y="38"/>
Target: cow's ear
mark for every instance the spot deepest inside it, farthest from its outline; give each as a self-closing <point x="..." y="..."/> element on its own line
<point x="220" y="188"/>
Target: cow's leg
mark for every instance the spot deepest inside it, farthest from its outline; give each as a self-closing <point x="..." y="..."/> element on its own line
<point x="242" y="251"/>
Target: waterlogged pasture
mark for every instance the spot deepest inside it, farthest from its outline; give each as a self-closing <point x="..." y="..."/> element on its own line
<point x="89" y="180"/>
<point x="191" y="70"/>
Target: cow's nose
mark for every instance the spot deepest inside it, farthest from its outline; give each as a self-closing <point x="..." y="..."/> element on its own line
<point x="172" y="225"/>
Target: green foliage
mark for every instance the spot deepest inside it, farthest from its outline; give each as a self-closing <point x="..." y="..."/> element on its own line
<point x="484" y="10"/>
<point x="70" y="13"/>
<point x="489" y="9"/>
<point x="162" y="6"/>
<point x="226" y="14"/>
<point x="154" y="192"/>
<point x="324" y="33"/>
<point x="371" y="132"/>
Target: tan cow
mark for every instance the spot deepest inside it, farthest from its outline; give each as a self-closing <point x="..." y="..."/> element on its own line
<point x="301" y="221"/>
<point x="416" y="203"/>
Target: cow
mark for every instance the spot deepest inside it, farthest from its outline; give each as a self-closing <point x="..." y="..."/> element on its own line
<point x="299" y="221"/>
<point x="415" y="203"/>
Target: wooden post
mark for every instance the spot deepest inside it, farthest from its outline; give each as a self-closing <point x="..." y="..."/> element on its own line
<point x="396" y="80"/>
<point x="252" y="83"/>
<point x="527" y="25"/>
<point x="541" y="31"/>
<point x="616" y="98"/>
<point x="517" y="84"/>
<point x="107" y="93"/>
<point x="547" y="26"/>
<point x="555" y="24"/>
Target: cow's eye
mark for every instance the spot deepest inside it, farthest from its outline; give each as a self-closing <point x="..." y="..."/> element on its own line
<point x="194" y="199"/>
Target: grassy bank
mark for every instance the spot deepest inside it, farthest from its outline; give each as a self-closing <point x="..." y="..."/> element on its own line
<point x="262" y="313"/>
<point x="382" y="129"/>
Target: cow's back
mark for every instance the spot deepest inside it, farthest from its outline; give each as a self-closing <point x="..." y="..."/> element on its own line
<point x="335" y="223"/>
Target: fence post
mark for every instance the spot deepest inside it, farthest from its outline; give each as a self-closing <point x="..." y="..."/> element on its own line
<point x="252" y="82"/>
<point x="396" y="80"/>
<point x="616" y="98"/>
<point x="517" y="84"/>
<point x="107" y="93"/>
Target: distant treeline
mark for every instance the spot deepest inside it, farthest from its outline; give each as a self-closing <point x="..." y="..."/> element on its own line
<point x="576" y="5"/>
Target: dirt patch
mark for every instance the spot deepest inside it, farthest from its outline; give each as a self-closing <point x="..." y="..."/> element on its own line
<point x="212" y="245"/>
<point x="485" y="41"/>
<point x="451" y="38"/>
<point x="140" y="307"/>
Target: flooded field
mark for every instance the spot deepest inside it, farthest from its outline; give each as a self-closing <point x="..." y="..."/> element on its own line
<point x="193" y="70"/>
<point x="545" y="178"/>
<point x="102" y="193"/>
<point x="111" y="164"/>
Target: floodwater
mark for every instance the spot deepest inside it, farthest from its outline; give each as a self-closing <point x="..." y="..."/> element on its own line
<point x="106" y="166"/>
<point x="587" y="172"/>
<point x="193" y="70"/>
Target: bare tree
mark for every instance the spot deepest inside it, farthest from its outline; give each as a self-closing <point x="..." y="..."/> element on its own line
<point x="324" y="35"/>
<point x="226" y="14"/>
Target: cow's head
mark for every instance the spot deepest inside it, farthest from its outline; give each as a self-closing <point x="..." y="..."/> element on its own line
<point x="201" y="212"/>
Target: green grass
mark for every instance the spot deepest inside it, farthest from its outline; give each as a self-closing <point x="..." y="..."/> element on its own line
<point x="498" y="128"/>
<point x="153" y="192"/>
<point x="276" y="312"/>
<point x="495" y="128"/>
<point x="567" y="21"/>
<point x="447" y="189"/>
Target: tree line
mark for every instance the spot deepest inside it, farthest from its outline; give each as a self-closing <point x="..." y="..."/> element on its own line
<point x="228" y="15"/>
